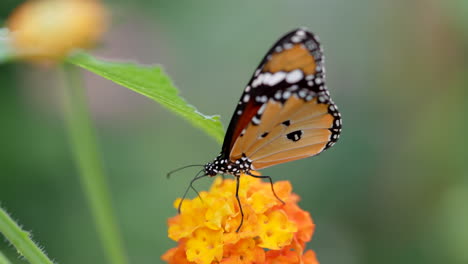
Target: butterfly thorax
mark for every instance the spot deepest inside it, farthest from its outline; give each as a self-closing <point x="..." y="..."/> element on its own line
<point x="222" y="165"/>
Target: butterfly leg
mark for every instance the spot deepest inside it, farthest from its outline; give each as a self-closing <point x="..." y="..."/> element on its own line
<point x="240" y="205"/>
<point x="197" y="177"/>
<point x="198" y="194"/>
<point x="271" y="184"/>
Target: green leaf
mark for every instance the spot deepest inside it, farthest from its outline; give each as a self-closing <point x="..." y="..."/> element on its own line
<point x="150" y="81"/>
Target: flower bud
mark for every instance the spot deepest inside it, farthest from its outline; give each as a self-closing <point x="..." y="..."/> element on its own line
<point x="44" y="30"/>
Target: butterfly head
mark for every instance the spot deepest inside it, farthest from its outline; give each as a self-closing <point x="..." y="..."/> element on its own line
<point x="210" y="169"/>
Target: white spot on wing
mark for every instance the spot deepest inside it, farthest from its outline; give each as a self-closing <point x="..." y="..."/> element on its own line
<point x="300" y="33"/>
<point x="294" y="76"/>
<point x="243" y="132"/>
<point x="274" y="79"/>
<point x="259" y="79"/>
<point x="302" y="93"/>
<point x="278" y="95"/>
<point x="296" y="39"/>
<point x="262" y="109"/>
<point x="256" y="82"/>
<point x="255" y="120"/>
<point x="293" y="88"/>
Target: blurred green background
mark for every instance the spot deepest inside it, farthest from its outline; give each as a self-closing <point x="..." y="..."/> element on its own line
<point x="393" y="190"/>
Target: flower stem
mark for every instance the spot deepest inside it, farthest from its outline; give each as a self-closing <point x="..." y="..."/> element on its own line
<point x="3" y="259"/>
<point x="87" y="158"/>
<point x="21" y="240"/>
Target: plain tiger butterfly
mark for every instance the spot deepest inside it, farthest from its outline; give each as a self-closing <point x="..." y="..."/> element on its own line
<point x="285" y="113"/>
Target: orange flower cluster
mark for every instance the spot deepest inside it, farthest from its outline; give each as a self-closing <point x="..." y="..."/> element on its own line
<point x="272" y="232"/>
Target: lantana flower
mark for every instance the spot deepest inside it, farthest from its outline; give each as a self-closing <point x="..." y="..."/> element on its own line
<point x="272" y="232"/>
<point x="47" y="30"/>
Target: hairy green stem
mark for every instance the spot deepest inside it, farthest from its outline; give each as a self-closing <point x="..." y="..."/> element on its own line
<point x="21" y="240"/>
<point x="87" y="158"/>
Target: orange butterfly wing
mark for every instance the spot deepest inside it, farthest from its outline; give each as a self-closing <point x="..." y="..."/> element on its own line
<point x="286" y="112"/>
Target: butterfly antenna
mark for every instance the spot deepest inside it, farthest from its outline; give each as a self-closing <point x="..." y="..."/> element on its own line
<point x="197" y="177"/>
<point x="168" y="175"/>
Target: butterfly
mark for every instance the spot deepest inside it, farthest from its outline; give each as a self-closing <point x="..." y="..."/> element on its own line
<point x="285" y="113"/>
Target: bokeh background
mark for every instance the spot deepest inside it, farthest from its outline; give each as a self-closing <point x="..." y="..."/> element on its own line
<point x="393" y="190"/>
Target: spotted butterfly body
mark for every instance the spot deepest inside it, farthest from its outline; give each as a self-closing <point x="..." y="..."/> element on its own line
<point x="285" y="113"/>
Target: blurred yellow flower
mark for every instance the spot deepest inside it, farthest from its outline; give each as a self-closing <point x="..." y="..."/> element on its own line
<point x="45" y="30"/>
<point x="272" y="232"/>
